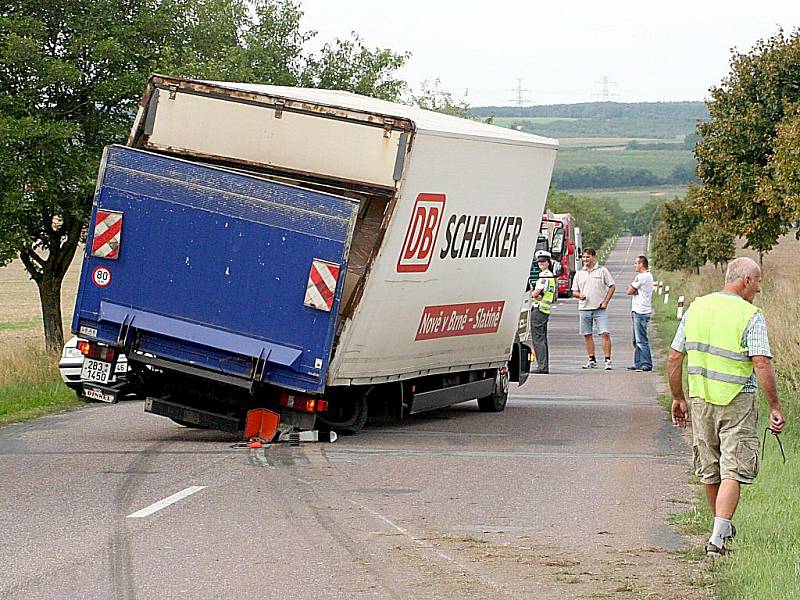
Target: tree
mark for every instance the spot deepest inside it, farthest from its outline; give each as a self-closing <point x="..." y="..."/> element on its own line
<point x="710" y="244"/>
<point x="72" y="73"/>
<point x="433" y="97"/>
<point x="683" y="240"/>
<point x="598" y="219"/>
<point x="782" y="190"/>
<point x="643" y="221"/>
<point x="670" y="242"/>
<point x="736" y="157"/>
<point x="348" y="65"/>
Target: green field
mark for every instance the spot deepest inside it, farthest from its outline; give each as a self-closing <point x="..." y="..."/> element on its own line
<point x="611" y="142"/>
<point x="631" y="199"/>
<point x="511" y="121"/>
<point x="659" y="162"/>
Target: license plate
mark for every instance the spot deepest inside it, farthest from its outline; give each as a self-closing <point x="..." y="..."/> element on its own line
<point x="98" y="371"/>
<point x="122" y="367"/>
<point x="99" y="394"/>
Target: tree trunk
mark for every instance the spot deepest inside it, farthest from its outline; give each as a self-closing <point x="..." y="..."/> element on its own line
<point x="48" y="272"/>
<point x="50" y="297"/>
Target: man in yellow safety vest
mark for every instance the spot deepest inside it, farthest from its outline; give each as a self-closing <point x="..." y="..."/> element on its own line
<point x="725" y="337"/>
<point x="544" y="294"/>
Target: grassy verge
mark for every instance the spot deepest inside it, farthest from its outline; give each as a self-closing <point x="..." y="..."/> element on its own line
<point x="30" y="324"/>
<point x="766" y="559"/>
<point x="30" y="385"/>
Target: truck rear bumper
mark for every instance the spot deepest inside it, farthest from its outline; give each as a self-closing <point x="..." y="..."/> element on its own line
<point x="192" y="416"/>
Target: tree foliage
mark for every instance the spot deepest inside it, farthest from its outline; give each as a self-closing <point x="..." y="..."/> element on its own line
<point x="433" y="97"/>
<point x="72" y="73"/>
<point x="782" y="190"/>
<point x="752" y="113"/>
<point x="645" y="219"/>
<point x="683" y="240"/>
<point x="68" y="71"/>
<point x="349" y="65"/>
<point x="598" y="219"/>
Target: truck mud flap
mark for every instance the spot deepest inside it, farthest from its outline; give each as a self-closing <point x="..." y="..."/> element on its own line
<point x="102" y="393"/>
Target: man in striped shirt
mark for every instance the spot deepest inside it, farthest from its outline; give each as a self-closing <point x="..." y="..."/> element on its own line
<point x="725" y="338"/>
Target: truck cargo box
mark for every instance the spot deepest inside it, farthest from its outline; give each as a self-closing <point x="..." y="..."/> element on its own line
<point x="447" y="214"/>
<point x="290" y="256"/>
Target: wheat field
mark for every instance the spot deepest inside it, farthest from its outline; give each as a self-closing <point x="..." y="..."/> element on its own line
<point x="20" y="309"/>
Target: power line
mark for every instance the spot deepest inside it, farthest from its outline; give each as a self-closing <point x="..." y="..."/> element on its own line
<point x="520" y="100"/>
<point x="605" y="94"/>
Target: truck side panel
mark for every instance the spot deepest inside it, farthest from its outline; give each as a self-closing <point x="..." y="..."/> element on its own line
<point x="446" y="287"/>
<point x="213" y="269"/>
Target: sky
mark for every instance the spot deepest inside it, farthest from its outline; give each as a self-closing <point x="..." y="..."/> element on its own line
<point x="563" y="51"/>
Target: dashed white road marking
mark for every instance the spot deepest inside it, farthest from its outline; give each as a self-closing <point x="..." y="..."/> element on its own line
<point x="145" y="512"/>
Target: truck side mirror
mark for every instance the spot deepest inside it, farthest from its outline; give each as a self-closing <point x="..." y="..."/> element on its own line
<point x="557" y="245"/>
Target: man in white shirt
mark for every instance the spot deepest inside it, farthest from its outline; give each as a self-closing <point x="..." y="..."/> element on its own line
<point x="641" y="292"/>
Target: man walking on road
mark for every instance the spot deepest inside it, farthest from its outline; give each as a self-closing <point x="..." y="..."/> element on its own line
<point x="641" y="292"/>
<point x="594" y="286"/>
<point x="725" y="337"/>
<point x="544" y="294"/>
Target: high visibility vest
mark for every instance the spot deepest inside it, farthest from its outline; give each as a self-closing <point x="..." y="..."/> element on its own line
<point x="719" y="366"/>
<point x="548" y="294"/>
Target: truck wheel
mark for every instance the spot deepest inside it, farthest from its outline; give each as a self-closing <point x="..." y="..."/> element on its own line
<point x="496" y="401"/>
<point x="347" y="414"/>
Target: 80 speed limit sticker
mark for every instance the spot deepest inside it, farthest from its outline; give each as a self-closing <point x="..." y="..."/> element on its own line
<point x="101" y="276"/>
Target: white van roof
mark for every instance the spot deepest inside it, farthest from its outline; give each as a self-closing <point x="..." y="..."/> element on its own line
<point x="424" y="120"/>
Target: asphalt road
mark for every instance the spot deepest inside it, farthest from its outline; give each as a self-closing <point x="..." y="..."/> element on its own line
<point x="563" y="495"/>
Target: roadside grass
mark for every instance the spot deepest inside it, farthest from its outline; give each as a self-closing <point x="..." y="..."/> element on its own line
<point x="766" y="558"/>
<point x="30" y="385"/>
<point x="29" y="324"/>
<point x="15" y="325"/>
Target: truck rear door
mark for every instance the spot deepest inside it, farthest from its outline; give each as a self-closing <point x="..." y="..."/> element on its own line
<point x="212" y="272"/>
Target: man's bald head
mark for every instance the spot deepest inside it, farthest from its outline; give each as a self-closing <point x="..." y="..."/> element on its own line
<point x="743" y="277"/>
<point x="741" y="267"/>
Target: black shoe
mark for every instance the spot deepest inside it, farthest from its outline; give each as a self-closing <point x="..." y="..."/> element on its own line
<point x="634" y="369"/>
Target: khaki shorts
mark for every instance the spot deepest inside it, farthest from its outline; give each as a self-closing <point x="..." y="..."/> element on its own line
<point x="725" y="442"/>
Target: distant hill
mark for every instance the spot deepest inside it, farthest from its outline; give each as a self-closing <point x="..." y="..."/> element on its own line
<point x="666" y="120"/>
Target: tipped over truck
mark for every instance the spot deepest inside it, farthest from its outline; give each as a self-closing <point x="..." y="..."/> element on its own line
<point x="311" y="252"/>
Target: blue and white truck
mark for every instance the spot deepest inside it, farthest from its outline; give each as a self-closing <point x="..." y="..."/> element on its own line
<point x="311" y="252"/>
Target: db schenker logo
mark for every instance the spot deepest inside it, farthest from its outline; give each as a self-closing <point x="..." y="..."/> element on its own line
<point x="423" y="229"/>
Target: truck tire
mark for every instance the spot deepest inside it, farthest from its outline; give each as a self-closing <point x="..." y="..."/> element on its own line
<point x="496" y="401"/>
<point x="347" y="414"/>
